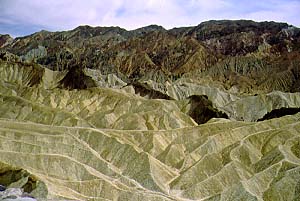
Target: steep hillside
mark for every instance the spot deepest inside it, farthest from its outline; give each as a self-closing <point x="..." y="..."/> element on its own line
<point x="206" y="113"/>
<point x="243" y="54"/>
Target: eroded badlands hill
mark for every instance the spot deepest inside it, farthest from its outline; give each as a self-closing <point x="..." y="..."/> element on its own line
<point x="241" y="54"/>
<point x="199" y="113"/>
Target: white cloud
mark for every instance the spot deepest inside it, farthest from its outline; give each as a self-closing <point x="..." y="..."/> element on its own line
<point x="130" y="14"/>
<point x="281" y="12"/>
<point x="210" y="5"/>
<point x="138" y="13"/>
<point x="60" y="14"/>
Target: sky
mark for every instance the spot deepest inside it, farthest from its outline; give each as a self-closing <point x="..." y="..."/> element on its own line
<point x="23" y="17"/>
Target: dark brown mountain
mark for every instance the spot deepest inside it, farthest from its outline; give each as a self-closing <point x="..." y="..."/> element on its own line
<point x="246" y="54"/>
<point x="5" y="40"/>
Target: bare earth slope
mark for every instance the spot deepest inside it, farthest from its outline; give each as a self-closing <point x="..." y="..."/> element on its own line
<point x="158" y="125"/>
<point x="241" y="54"/>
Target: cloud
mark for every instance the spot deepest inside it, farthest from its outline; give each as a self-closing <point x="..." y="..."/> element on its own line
<point x="21" y="17"/>
<point x="281" y="11"/>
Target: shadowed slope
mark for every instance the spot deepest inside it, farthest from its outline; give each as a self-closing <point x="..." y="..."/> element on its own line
<point x="280" y="113"/>
<point x="76" y="79"/>
<point x="201" y="109"/>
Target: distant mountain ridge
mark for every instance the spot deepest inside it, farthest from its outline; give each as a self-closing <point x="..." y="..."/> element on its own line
<point x="220" y="49"/>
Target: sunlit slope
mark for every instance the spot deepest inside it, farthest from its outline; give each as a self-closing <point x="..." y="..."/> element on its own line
<point x="221" y="160"/>
<point x="109" y="144"/>
<point x="235" y="105"/>
<point x="95" y="107"/>
<point x="122" y="109"/>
